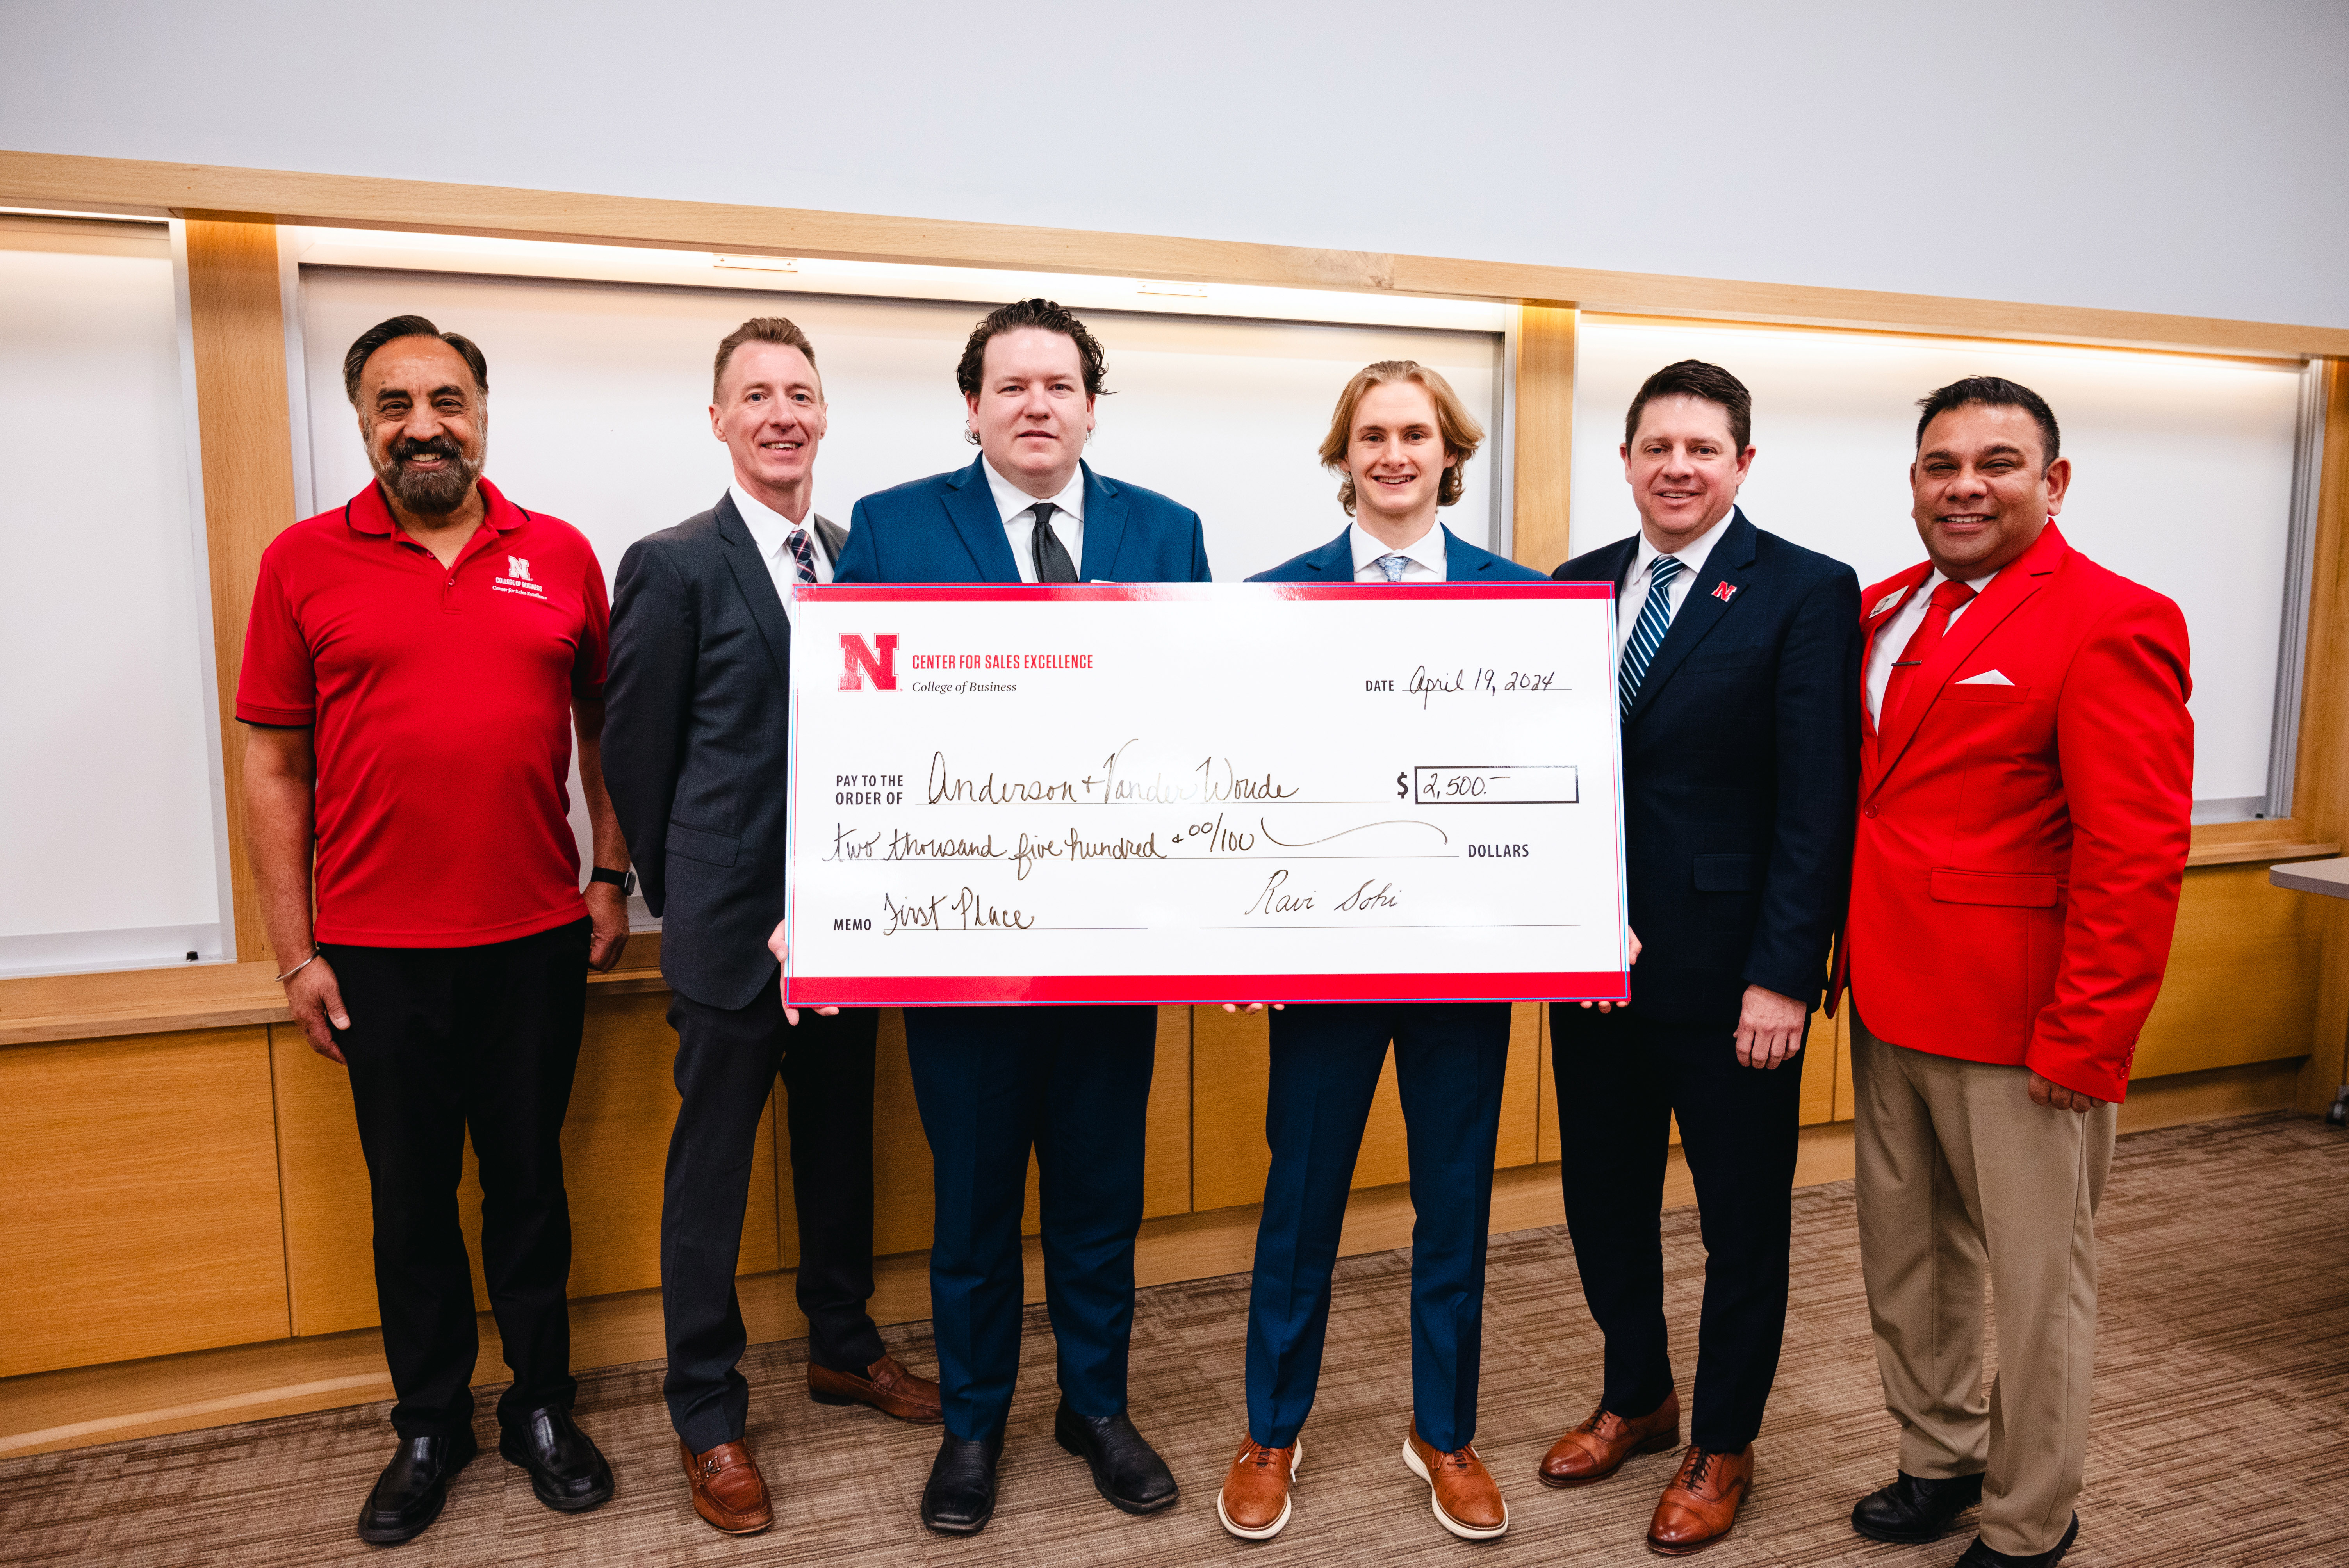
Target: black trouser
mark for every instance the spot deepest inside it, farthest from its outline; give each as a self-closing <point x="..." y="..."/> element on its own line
<point x="445" y="1041"/>
<point x="727" y="1060"/>
<point x="1621" y="1079"/>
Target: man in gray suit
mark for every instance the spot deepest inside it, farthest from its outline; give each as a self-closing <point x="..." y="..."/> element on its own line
<point x="695" y="756"/>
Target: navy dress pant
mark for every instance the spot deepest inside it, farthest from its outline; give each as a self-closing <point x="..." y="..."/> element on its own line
<point x="1074" y="1085"/>
<point x="1451" y="1059"/>
<point x="727" y="1059"/>
<point x="1621" y="1079"/>
<point x="447" y="1044"/>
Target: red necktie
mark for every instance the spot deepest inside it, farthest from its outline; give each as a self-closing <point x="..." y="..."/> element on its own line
<point x="1947" y="597"/>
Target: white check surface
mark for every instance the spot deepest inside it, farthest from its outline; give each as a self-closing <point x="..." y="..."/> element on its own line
<point x="1205" y="793"/>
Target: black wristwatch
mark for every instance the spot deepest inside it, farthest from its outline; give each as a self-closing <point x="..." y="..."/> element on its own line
<point x="625" y="881"/>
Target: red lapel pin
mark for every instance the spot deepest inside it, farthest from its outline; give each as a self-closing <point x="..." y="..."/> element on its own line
<point x="1724" y="591"/>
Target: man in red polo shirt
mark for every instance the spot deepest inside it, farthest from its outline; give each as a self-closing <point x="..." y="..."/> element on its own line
<point x="415" y="664"/>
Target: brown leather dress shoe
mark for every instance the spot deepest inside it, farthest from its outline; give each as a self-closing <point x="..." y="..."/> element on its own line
<point x="1460" y="1489"/>
<point x="885" y="1385"/>
<point x="728" y="1492"/>
<point x="1701" y="1504"/>
<point x="1254" y="1504"/>
<point x="1597" y="1449"/>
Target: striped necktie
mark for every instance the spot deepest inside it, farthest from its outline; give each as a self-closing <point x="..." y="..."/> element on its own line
<point x="1648" y="632"/>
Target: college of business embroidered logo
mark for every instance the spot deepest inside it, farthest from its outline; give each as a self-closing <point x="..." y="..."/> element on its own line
<point x="873" y="663"/>
<point x="518" y="579"/>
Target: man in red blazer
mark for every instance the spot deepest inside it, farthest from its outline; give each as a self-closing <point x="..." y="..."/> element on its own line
<point x="2026" y="785"/>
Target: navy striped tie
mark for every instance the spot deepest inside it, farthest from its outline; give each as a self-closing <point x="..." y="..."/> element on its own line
<point x="1648" y="632"/>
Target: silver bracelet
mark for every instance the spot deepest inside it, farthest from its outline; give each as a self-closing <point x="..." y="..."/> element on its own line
<point x="299" y="967"/>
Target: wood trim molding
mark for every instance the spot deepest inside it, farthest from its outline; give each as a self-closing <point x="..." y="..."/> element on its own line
<point x="2321" y="781"/>
<point x="2236" y="852"/>
<point x="1542" y="436"/>
<point x="51" y="1008"/>
<point x="237" y="323"/>
<point x="260" y="195"/>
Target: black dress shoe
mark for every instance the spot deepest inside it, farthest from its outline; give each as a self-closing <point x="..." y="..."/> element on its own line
<point x="566" y="1470"/>
<point x="1980" y="1556"/>
<point x="1126" y="1470"/>
<point x="1913" y="1509"/>
<point x="407" y="1495"/>
<point x="960" y="1497"/>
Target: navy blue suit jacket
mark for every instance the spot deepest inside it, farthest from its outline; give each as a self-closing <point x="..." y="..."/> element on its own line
<point x="1334" y="562"/>
<point x="1741" y="757"/>
<point x="945" y="529"/>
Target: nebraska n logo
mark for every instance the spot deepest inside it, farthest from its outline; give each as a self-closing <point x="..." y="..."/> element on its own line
<point x="873" y="663"/>
<point x="518" y="569"/>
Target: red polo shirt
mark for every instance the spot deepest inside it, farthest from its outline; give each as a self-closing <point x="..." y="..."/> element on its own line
<point x="442" y="705"/>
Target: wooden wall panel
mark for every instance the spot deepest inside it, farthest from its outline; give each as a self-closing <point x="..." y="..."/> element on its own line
<point x="1820" y="1049"/>
<point x="1543" y="452"/>
<point x="244" y="431"/>
<point x="614" y="1142"/>
<point x="1546" y="1138"/>
<point x="1229" y="1069"/>
<point x="2321" y="790"/>
<point x="1166" y="1159"/>
<point x="2243" y="974"/>
<point x="139" y="1212"/>
<point x="903" y="1211"/>
<point x="1521" y="1098"/>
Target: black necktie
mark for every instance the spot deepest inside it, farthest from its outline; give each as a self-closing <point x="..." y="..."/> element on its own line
<point x="1052" y="562"/>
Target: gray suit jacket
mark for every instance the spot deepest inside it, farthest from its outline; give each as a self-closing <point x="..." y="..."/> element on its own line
<point x="696" y="719"/>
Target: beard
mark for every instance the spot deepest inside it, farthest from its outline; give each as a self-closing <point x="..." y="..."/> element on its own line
<point x="429" y="494"/>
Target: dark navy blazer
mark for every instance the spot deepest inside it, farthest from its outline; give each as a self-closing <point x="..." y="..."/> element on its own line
<point x="945" y="529"/>
<point x="1334" y="562"/>
<point x="1741" y="757"/>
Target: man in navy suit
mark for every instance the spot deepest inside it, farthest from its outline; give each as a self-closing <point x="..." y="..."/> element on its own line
<point x="1071" y="1083"/>
<point x="1738" y="673"/>
<point x="1400" y="438"/>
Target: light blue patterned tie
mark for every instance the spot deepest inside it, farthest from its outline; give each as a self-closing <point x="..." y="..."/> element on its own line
<point x="1648" y="632"/>
<point x="1390" y="566"/>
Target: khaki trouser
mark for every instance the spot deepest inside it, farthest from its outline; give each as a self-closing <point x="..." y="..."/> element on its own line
<point x="1962" y="1180"/>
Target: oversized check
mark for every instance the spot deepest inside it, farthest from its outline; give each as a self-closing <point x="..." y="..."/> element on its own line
<point x="1242" y="792"/>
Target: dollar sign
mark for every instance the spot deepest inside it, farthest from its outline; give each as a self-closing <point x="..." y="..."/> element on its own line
<point x="1403" y="787"/>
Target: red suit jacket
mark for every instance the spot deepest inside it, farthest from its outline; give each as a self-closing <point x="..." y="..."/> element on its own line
<point x="2015" y="882"/>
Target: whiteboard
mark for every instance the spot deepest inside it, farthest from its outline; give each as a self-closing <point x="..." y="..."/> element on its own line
<point x="599" y="393"/>
<point x="2182" y="479"/>
<point x="110" y="803"/>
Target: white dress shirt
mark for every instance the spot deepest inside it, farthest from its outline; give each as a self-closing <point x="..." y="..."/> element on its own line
<point x="1692" y="557"/>
<point x="1894" y="635"/>
<point x="1018" y="510"/>
<point x="1425" y="556"/>
<point x="772" y="531"/>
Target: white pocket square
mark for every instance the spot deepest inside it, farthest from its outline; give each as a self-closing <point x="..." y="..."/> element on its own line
<point x="1988" y="678"/>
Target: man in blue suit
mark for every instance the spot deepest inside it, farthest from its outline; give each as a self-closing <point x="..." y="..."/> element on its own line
<point x="1400" y="438"/>
<point x="1071" y="1083"/>
<point x="1738" y="673"/>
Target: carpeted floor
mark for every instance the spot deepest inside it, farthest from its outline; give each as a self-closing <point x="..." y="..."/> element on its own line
<point x="2221" y="1432"/>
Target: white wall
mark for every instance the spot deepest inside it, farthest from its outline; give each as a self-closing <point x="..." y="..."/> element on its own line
<point x="2166" y="154"/>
